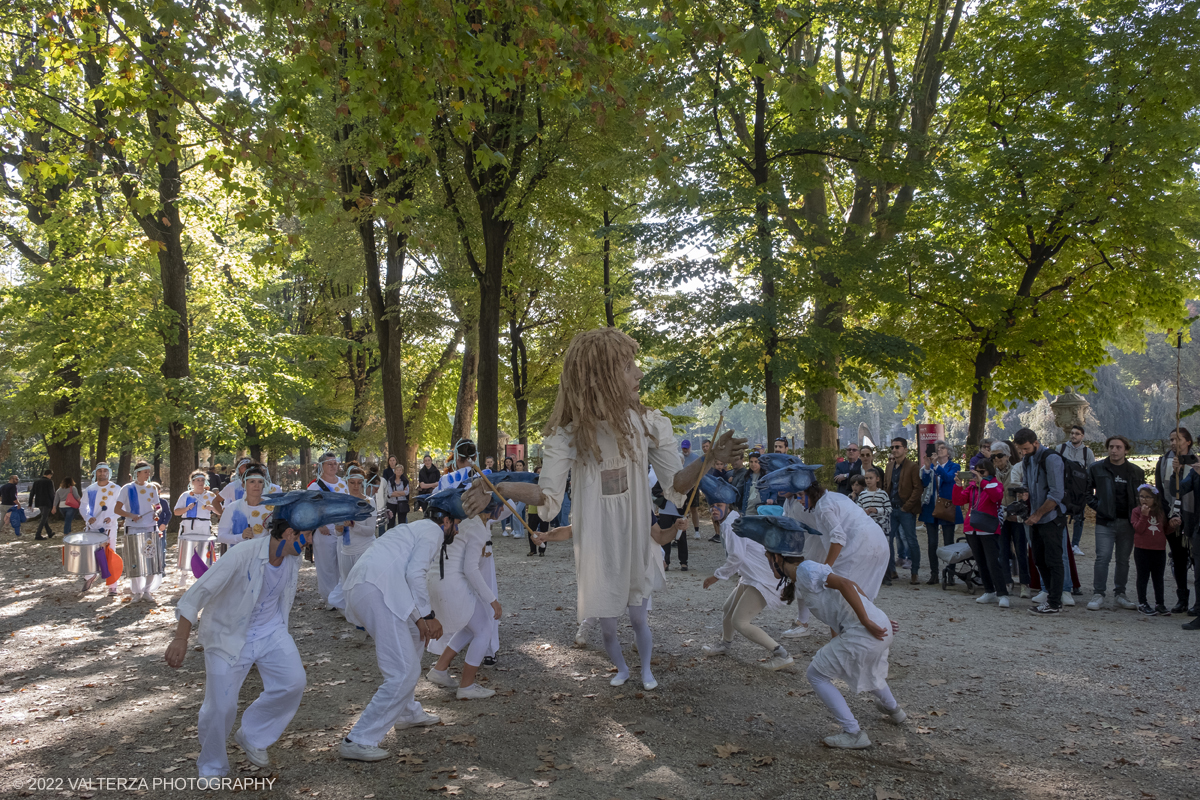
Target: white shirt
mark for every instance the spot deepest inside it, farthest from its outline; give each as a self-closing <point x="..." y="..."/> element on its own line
<point x="361" y="533"/>
<point x="397" y="564"/>
<point x="199" y="501"/>
<point x="338" y="486"/>
<point x="267" y="616"/>
<point x="100" y="502"/>
<point x="228" y="593"/>
<point x="747" y="558"/>
<point x="238" y="517"/>
<point x="864" y="555"/>
<point x="147" y="511"/>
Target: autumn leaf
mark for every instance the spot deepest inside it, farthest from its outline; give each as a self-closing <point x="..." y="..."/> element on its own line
<point x="887" y="794"/>
<point x="726" y="750"/>
<point x="733" y="780"/>
<point x="763" y="761"/>
<point x="834" y="785"/>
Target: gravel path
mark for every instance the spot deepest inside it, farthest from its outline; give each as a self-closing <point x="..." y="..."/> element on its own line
<point x="1001" y="704"/>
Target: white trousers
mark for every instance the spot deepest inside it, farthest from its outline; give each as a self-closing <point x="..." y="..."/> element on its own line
<point x="145" y="585"/>
<point x="398" y="650"/>
<point x="326" y="557"/>
<point x="489" y="574"/>
<point x="283" y="678"/>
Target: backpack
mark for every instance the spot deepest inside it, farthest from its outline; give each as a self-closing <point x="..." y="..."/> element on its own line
<point x="1074" y="482"/>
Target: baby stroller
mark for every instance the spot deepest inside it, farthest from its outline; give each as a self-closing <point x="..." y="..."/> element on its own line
<point x="959" y="561"/>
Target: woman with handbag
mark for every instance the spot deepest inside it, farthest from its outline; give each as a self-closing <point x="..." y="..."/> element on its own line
<point x="66" y="502"/>
<point x="983" y="494"/>
<point x="937" y="505"/>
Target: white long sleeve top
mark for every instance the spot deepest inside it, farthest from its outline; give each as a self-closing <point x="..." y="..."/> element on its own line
<point x="397" y="564"/>
<point x="239" y="516"/>
<point x="748" y="559"/>
<point x="227" y="594"/>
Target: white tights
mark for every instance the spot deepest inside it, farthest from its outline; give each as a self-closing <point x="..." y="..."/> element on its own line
<point x="836" y="704"/>
<point x="476" y="635"/>
<point x="639" y="618"/>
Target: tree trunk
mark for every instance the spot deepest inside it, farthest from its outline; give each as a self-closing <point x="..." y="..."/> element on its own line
<point x="157" y="457"/>
<point x="821" y="392"/>
<point x="986" y="361"/>
<point x="415" y="416"/>
<point x="253" y="440"/>
<point x="766" y="259"/>
<point x="518" y="362"/>
<point x="609" y="316"/>
<point x="305" y="462"/>
<point x="125" y="463"/>
<point x="496" y="232"/>
<point x="464" y="410"/>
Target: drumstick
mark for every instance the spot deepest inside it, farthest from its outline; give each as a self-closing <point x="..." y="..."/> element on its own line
<point x="489" y="485"/>
<point x="704" y="466"/>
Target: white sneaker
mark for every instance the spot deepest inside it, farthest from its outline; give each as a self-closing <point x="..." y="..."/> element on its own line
<point x="1123" y="602"/>
<point x="359" y="634"/>
<point x="1039" y="598"/>
<point x="361" y="752"/>
<point x="778" y="661"/>
<point x="257" y="756"/>
<point x="1024" y="592"/>
<point x="1077" y="550"/>
<point x="1096" y="603"/>
<point x="849" y="741"/>
<point x="697" y="536"/>
<point x="441" y="678"/>
<point x="986" y="597"/>
<point x="420" y="722"/>
<point x="717" y="648"/>
<point x="1003" y="602"/>
<point x="1067" y="600"/>
<point x="581" y="633"/>
<point x="799" y="632"/>
<point x="895" y="715"/>
<point x="473" y="692"/>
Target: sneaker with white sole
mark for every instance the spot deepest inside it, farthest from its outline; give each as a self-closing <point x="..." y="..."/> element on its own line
<point x="1147" y="610"/>
<point x="361" y="752"/>
<point x="895" y="715"/>
<point x="848" y="741"/>
<point x="581" y="633"/>
<point x="441" y="678"/>
<point x="257" y="756"/>
<point x="986" y="597"/>
<point x="717" y="648"/>
<point x="1077" y="550"/>
<point x="778" y="660"/>
<point x="799" y="632"/>
<point x="1096" y="603"/>
<point x="1045" y="609"/>
<point x="426" y="719"/>
<point x="1024" y="592"/>
<point x="1124" y="602"/>
<point x="1003" y="602"/>
<point x="473" y="692"/>
<point x="1067" y="599"/>
<point x="1039" y="599"/>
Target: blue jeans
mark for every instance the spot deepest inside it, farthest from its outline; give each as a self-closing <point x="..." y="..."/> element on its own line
<point x="931" y="532"/>
<point x="1116" y="535"/>
<point x="68" y="515"/>
<point x="904" y="529"/>
<point x="1077" y="533"/>
<point x="1014" y="545"/>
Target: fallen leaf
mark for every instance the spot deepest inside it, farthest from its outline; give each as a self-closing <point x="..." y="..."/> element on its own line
<point x="495" y="785"/>
<point x="833" y="785"/>
<point x="733" y="780"/>
<point x="856" y="783"/>
<point x="764" y="761"/>
<point x="542" y="784"/>
<point x="887" y="794"/>
<point x="726" y="750"/>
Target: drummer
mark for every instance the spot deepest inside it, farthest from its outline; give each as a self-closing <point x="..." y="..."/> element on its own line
<point x="96" y="508"/>
<point x="137" y="502"/>
<point x="196" y="507"/>
<point x="248" y="517"/>
<point x="234" y="490"/>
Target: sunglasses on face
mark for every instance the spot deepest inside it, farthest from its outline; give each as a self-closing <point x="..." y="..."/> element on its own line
<point x="897" y="447"/>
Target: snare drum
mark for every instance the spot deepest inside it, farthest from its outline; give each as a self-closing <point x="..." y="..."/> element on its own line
<point x="143" y="557"/>
<point x="205" y="545"/>
<point x="79" y="552"/>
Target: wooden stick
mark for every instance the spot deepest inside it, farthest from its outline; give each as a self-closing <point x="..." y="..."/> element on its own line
<point x="503" y="499"/>
<point x="704" y="466"/>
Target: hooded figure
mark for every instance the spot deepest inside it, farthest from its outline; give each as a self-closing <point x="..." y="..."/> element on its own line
<point x="756" y="587"/>
<point x="858" y="654"/>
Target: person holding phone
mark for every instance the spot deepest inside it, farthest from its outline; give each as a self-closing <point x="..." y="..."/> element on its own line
<point x="938" y="511"/>
<point x="983" y="493"/>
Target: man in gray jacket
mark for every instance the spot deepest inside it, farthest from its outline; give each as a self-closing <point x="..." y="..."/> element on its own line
<point x="1075" y="450"/>
<point x="1112" y="494"/>
<point x="1044" y="479"/>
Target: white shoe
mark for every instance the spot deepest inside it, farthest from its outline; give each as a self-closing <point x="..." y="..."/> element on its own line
<point x="257" y="756"/>
<point x="717" y="648"/>
<point x="895" y="715"/>
<point x="1039" y="598"/>
<point x="799" y="632"/>
<point x="777" y="661"/>
<point x="650" y="685"/>
<point x="359" y="634"/>
<point x="135" y="597"/>
<point x="617" y="680"/>
<point x="422" y="721"/>
<point x="149" y="598"/>
<point x="581" y="633"/>
<point x="1067" y="600"/>
<point x="1003" y="602"/>
<point x="441" y="678"/>
<point x="697" y="536"/>
<point x="1096" y="603"/>
<point x="206" y="782"/>
<point x="473" y="692"/>
<point x="1123" y="602"/>
<point x="361" y="752"/>
<point x="1077" y="550"/>
<point x="849" y="741"/>
<point x="1024" y="592"/>
<point x="986" y="597"/>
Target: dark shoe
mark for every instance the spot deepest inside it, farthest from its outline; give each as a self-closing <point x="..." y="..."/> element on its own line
<point x="1179" y="608"/>
<point x="39" y="538"/>
<point x="1194" y="625"/>
<point x="913" y="580"/>
<point x="489" y="661"/>
<point x="716" y="539"/>
<point x="532" y="553"/>
<point x="1161" y="610"/>
<point x="666" y="567"/>
<point x="887" y="581"/>
<point x="683" y="567"/>
<point x="1194" y="611"/>
<point x="933" y="581"/>
<point x="892" y="575"/>
<point x="1046" y="609"/>
<point x="541" y="552"/>
<point x="1147" y="610"/>
<point x="1077" y="592"/>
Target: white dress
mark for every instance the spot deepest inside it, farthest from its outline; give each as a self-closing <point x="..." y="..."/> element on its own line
<point x="617" y="564"/>
<point x="747" y="558"/>
<point x="455" y="596"/>
<point x="361" y="535"/>
<point x="864" y="554"/>
<point x="325" y="550"/>
<point x="854" y="655"/>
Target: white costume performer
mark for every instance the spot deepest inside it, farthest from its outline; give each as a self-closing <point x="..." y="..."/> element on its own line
<point x="325" y="551"/>
<point x="457" y="597"/>
<point x="143" y="501"/>
<point x="361" y="536"/>
<point x="386" y="593"/>
<point x="97" y="507"/>
<point x="487" y="567"/>
<point x="247" y="603"/>
<point x="864" y="555"/>
<point x="238" y="517"/>
<point x="196" y="518"/>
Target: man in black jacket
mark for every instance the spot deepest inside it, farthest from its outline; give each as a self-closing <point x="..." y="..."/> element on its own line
<point x="41" y="497"/>
<point x="1112" y="494"/>
<point x="8" y="501"/>
<point x="1170" y="474"/>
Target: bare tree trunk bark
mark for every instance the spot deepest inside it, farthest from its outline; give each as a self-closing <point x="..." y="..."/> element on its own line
<point x="464" y="411"/>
